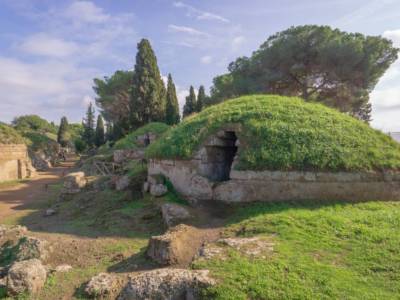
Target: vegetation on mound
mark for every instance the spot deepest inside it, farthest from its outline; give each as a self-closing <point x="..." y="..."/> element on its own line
<point x="9" y="135"/>
<point x="336" y="251"/>
<point x="129" y="141"/>
<point x="284" y="133"/>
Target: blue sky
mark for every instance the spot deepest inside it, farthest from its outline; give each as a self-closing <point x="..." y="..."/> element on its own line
<point x="51" y="50"/>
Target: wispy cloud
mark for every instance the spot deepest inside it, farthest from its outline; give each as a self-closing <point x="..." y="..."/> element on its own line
<point x="44" y="45"/>
<point x="200" y="14"/>
<point x="206" y="59"/>
<point x="49" y="73"/>
<point x="185" y="29"/>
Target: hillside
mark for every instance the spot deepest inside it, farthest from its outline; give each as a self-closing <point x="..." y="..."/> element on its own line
<point x="284" y="133"/>
<point x="9" y="135"/>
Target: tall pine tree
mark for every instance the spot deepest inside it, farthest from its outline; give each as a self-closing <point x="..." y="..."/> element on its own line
<point x="172" y="107"/>
<point x="148" y="90"/>
<point x="190" y="104"/>
<point x="201" y="99"/>
<point x="88" y="123"/>
<point x="62" y="135"/>
<point x="100" y="135"/>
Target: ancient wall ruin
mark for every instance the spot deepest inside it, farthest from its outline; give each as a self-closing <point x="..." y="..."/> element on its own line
<point x="210" y="175"/>
<point x="14" y="162"/>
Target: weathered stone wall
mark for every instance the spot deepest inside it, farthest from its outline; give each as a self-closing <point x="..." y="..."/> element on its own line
<point x="14" y="162"/>
<point x="247" y="186"/>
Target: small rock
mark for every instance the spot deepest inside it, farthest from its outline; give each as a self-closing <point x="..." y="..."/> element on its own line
<point x="101" y="285"/>
<point x="167" y="284"/>
<point x="63" y="268"/>
<point x="158" y="190"/>
<point x="50" y="212"/>
<point x="173" y="214"/>
<point x="122" y="183"/>
<point x="26" y="276"/>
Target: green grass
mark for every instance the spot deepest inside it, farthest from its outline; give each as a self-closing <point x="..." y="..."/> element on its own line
<point x="284" y="133"/>
<point x="129" y="141"/>
<point x="9" y="135"/>
<point x="338" y="251"/>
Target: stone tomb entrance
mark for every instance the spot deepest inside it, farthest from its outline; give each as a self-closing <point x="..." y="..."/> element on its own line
<point x="218" y="155"/>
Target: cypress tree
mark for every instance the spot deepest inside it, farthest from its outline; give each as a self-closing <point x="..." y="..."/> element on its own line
<point x="148" y="90"/>
<point x="89" y="132"/>
<point x="62" y="134"/>
<point x="201" y="99"/>
<point x="100" y="136"/>
<point x="190" y="104"/>
<point x="172" y="107"/>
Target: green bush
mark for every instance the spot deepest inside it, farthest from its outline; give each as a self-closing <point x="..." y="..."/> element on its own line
<point x="284" y="133"/>
<point x="129" y="141"/>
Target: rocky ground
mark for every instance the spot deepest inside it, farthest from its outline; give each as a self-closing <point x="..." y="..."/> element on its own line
<point x="66" y="236"/>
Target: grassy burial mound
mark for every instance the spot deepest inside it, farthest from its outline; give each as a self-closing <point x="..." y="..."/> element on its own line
<point x="9" y="135"/>
<point x="131" y="142"/>
<point x="284" y="133"/>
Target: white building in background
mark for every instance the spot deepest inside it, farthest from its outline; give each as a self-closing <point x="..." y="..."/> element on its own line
<point x="395" y="136"/>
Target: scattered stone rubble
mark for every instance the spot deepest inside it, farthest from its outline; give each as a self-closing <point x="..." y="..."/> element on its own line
<point x="102" y="285"/>
<point x="166" y="284"/>
<point x="26" y="272"/>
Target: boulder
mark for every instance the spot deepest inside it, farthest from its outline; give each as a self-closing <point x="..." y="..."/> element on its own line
<point x="28" y="276"/>
<point x="167" y="284"/>
<point x="122" y="183"/>
<point x="158" y="190"/>
<point x="30" y="247"/>
<point x="40" y="161"/>
<point x="74" y="182"/>
<point x="12" y="230"/>
<point x="102" y="285"/>
<point x="174" y="214"/>
<point x="176" y="247"/>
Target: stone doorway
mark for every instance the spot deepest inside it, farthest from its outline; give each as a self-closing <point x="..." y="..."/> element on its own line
<point x="220" y="154"/>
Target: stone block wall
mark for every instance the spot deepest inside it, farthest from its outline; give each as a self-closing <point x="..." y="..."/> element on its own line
<point x="248" y="186"/>
<point x="15" y="162"/>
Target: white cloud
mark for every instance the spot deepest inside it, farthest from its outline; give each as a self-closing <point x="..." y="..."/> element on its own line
<point x="185" y="29"/>
<point x="50" y="88"/>
<point x="238" y="41"/>
<point x="181" y="93"/>
<point x="206" y="59"/>
<point x="385" y="98"/>
<point x="200" y="14"/>
<point x="394" y="35"/>
<point x="44" y="45"/>
<point x="86" y="12"/>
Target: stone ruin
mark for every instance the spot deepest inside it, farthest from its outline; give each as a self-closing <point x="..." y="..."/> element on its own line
<point x="211" y="175"/>
<point x="15" y="162"/>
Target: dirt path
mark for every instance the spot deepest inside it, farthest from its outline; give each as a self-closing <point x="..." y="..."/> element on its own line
<point x="15" y="199"/>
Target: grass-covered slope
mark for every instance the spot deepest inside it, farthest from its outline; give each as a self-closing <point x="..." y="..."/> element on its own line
<point x="336" y="251"/>
<point x="129" y="141"/>
<point x="9" y="135"/>
<point x="284" y="133"/>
